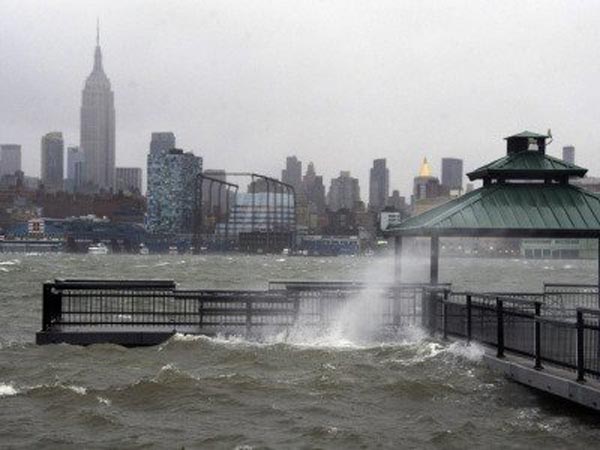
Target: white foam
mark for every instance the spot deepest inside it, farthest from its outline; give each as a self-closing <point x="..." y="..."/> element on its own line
<point x="6" y="390"/>
<point x="472" y="352"/>
<point x="104" y="401"/>
<point x="13" y="262"/>
<point x="77" y="389"/>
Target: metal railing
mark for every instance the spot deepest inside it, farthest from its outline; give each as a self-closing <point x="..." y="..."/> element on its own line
<point x="83" y="304"/>
<point x="519" y="326"/>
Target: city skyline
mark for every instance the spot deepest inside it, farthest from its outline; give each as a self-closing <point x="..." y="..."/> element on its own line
<point x="214" y="127"/>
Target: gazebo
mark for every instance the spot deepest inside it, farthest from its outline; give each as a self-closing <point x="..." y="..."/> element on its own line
<point x="525" y="194"/>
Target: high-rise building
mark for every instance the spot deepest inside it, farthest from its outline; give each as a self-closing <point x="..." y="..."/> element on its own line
<point x="128" y="179"/>
<point x="344" y="192"/>
<point x="10" y="159"/>
<point x="379" y="185"/>
<point x="171" y="186"/>
<point x="162" y="142"/>
<point x="53" y="161"/>
<point x="98" y="127"/>
<point x="75" y="161"/>
<point x="313" y="187"/>
<point x="452" y="173"/>
<point x="425" y="184"/>
<point x="568" y="154"/>
<point x="292" y="174"/>
<point x="396" y="201"/>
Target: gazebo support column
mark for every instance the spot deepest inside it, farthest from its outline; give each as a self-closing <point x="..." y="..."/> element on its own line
<point x="397" y="259"/>
<point x="434" y="257"/>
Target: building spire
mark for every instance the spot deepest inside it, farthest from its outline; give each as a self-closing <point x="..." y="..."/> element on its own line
<point x="98" y="53"/>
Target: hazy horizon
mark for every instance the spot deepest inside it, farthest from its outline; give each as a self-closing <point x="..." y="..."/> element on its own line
<point x="339" y="83"/>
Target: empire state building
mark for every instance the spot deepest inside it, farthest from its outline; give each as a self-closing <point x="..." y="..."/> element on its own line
<point x="97" y="137"/>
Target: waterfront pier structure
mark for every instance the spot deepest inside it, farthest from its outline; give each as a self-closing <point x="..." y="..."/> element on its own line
<point x="549" y="340"/>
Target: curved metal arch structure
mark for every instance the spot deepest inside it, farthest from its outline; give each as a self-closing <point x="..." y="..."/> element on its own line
<point x="280" y="221"/>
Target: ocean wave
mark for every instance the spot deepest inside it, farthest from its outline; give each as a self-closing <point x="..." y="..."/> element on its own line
<point x="10" y="389"/>
<point x="11" y="262"/>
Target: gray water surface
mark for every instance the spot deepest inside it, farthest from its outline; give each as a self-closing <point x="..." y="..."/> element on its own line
<point x="286" y="392"/>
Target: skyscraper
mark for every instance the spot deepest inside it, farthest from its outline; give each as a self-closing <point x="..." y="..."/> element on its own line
<point x="344" y="192"/>
<point x="568" y="154"/>
<point x="98" y="127"/>
<point x="128" y="179"/>
<point x="171" y="186"/>
<point x="379" y="185"/>
<point x="53" y="161"/>
<point x="10" y="159"/>
<point x="313" y="188"/>
<point x="292" y="174"/>
<point x="452" y="173"/>
<point x="75" y="161"/>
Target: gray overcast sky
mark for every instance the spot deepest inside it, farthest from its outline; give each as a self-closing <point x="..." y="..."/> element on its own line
<point x="246" y="83"/>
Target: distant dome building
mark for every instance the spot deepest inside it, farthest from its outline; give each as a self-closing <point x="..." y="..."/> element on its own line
<point x="425" y="185"/>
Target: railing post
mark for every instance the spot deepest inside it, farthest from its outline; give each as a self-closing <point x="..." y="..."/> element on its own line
<point x="580" y="348"/>
<point x="445" y="314"/>
<point x="248" y="316"/>
<point x="538" y="336"/>
<point x="200" y="312"/>
<point x="296" y="297"/>
<point x="51" y="306"/>
<point x="469" y="317"/>
<point x="500" y="328"/>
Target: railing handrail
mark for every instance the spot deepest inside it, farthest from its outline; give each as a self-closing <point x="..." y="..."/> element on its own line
<point x="583" y="285"/>
<point x="78" y="284"/>
<point x="488" y="296"/>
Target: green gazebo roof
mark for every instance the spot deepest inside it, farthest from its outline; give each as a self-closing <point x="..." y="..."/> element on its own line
<point x="512" y="210"/>
<point x="527" y="165"/>
<point x="524" y="194"/>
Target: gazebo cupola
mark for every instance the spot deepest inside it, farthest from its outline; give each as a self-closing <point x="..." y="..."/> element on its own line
<point x="526" y="159"/>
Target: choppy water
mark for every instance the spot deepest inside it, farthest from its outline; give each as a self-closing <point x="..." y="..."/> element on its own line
<point x="291" y="391"/>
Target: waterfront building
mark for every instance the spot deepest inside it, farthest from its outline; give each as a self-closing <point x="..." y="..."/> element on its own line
<point x="292" y="174"/>
<point x="128" y="179"/>
<point x="344" y="192"/>
<point x="452" y="174"/>
<point x="10" y="159"/>
<point x="172" y="185"/>
<point x="75" y="162"/>
<point x="97" y="133"/>
<point x="568" y="154"/>
<point x="53" y="150"/>
<point x="256" y="213"/>
<point x="559" y="248"/>
<point x="379" y="185"/>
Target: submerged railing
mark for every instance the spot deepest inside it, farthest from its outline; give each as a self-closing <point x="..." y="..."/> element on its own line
<point x="86" y="304"/>
<point x="557" y="327"/>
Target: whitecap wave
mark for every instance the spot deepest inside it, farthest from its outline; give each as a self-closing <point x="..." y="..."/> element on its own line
<point x="7" y="390"/>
